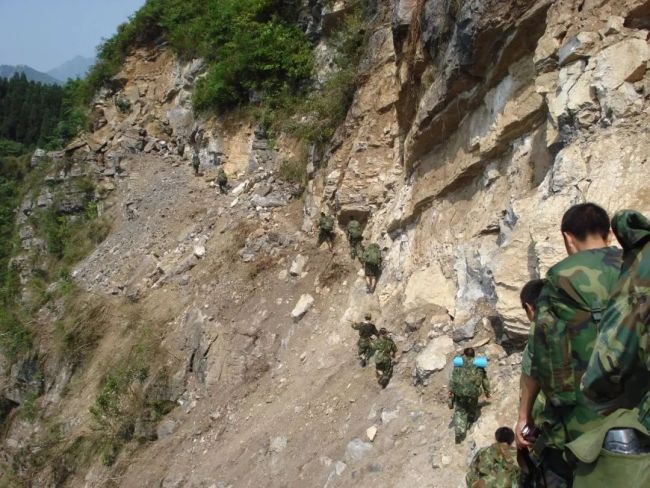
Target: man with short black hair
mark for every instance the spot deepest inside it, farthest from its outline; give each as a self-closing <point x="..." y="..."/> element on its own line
<point x="562" y="337"/>
<point x="585" y="225"/>
<point x="495" y="465"/>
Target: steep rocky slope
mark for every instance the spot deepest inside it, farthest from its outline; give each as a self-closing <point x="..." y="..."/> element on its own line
<point x="476" y="125"/>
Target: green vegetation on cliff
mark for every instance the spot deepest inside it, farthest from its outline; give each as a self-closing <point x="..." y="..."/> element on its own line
<point x="252" y="47"/>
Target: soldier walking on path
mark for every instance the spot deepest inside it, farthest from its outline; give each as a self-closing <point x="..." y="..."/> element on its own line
<point x="366" y="331"/>
<point x="196" y="163"/>
<point x="385" y="354"/>
<point x="355" y="238"/>
<point x="222" y="180"/>
<point x="467" y="380"/>
<point x="496" y="465"/>
<point x="326" y="230"/>
<point x="371" y="259"/>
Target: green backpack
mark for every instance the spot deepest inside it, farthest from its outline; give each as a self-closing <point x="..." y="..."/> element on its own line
<point x="466" y="381"/>
<point x="372" y="255"/>
<point x="326" y="223"/>
<point x="354" y="230"/>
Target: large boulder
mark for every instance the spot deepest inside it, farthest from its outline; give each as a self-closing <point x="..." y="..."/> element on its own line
<point x="433" y="358"/>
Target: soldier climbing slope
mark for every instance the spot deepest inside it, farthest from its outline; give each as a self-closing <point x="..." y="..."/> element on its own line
<point x="617" y="379"/>
<point x="366" y="331"/>
<point x="495" y="466"/>
<point x="386" y="350"/>
<point x="468" y="378"/>
<point x="371" y="259"/>
<point x="222" y="180"/>
<point x="196" y="163"/>
<point x="531" y="475"/>
<point x="562" y="336"/>
<point x="355" y="238"/>
<point x="326" y="230"/>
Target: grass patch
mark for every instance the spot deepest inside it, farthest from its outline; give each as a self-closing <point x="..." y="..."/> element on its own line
<point x="294" y="171"/>
<point x="78" y="331"/>
<point x="15" y="337"/>
<point x="126" y="401"/>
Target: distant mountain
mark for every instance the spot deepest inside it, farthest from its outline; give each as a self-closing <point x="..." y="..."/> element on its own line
<point x="7" y="71"/>
<point x="74" y="68"/>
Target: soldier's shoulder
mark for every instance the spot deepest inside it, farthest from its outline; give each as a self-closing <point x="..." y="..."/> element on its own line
<point x="593" y="258"/>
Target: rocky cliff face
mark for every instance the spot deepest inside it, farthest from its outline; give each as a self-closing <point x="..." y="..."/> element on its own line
<point x="476" y="124"/>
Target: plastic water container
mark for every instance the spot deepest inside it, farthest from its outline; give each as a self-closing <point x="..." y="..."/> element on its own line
<point x="481" y="362"/>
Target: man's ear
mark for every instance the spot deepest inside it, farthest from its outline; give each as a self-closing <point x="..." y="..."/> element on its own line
<point x="530" y="311"/>
<point x="570" y="243"/>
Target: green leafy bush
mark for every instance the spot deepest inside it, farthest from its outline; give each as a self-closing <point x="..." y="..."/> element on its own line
<point x="251" y="46"/>
<point x="314" y="117"/>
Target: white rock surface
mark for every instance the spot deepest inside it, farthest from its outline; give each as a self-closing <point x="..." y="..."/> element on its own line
<point x="302" y="307"/>
<point x="434" y="357"/>
<point x="298" y="265"/>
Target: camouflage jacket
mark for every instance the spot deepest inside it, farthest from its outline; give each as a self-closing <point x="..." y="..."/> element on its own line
<point x="222" y="179"/>
<point x="563" y="335"/>
<point x="494" y="467"/>
<point x="617" y="375"/>
<point x="385" y="348"/>
<point x="468" y="380"/>
<point x="366" y="329"/>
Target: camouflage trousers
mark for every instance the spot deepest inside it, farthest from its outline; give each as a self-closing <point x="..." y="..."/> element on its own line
<point x="384" y="366"/>
<point x="364" y="348"/>
<point x="325" y="236"/>
<point x="465" y="413"/>
<point x="356" y="248"/>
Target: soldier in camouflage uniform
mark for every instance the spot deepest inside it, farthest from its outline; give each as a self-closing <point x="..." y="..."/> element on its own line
<point x="465" y="387"/>
<point x="366" y="331"/>
<point x="386" y="350"/>
<point x="617" y="380"/>
<point x="562" y="337"/>
<point x="621" y="357"/>
<point x="326" y="230"/>
<point x="196" y="163"/>
<point x="355" y="238"/>
<point x="222" y="180"/>
<point x="495" y="466"/>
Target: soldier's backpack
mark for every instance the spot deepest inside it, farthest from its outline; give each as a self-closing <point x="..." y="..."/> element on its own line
<point x="372" y="255"/>
<point x="466" y="380"/>
<point x="326" y="223"/>
<point x="222" y="179"/>
<point x="354" y="230"/>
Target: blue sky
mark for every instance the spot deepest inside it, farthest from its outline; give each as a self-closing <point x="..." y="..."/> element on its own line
<point x="45" y="33"/>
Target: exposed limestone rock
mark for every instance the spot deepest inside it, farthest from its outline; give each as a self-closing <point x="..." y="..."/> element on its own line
<point x="298" y="265"/>
<point x="357" y="450"/>
<point x="429" y="287"/>
<point x="302" y="307"/>
<point x="433" y="358"/>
